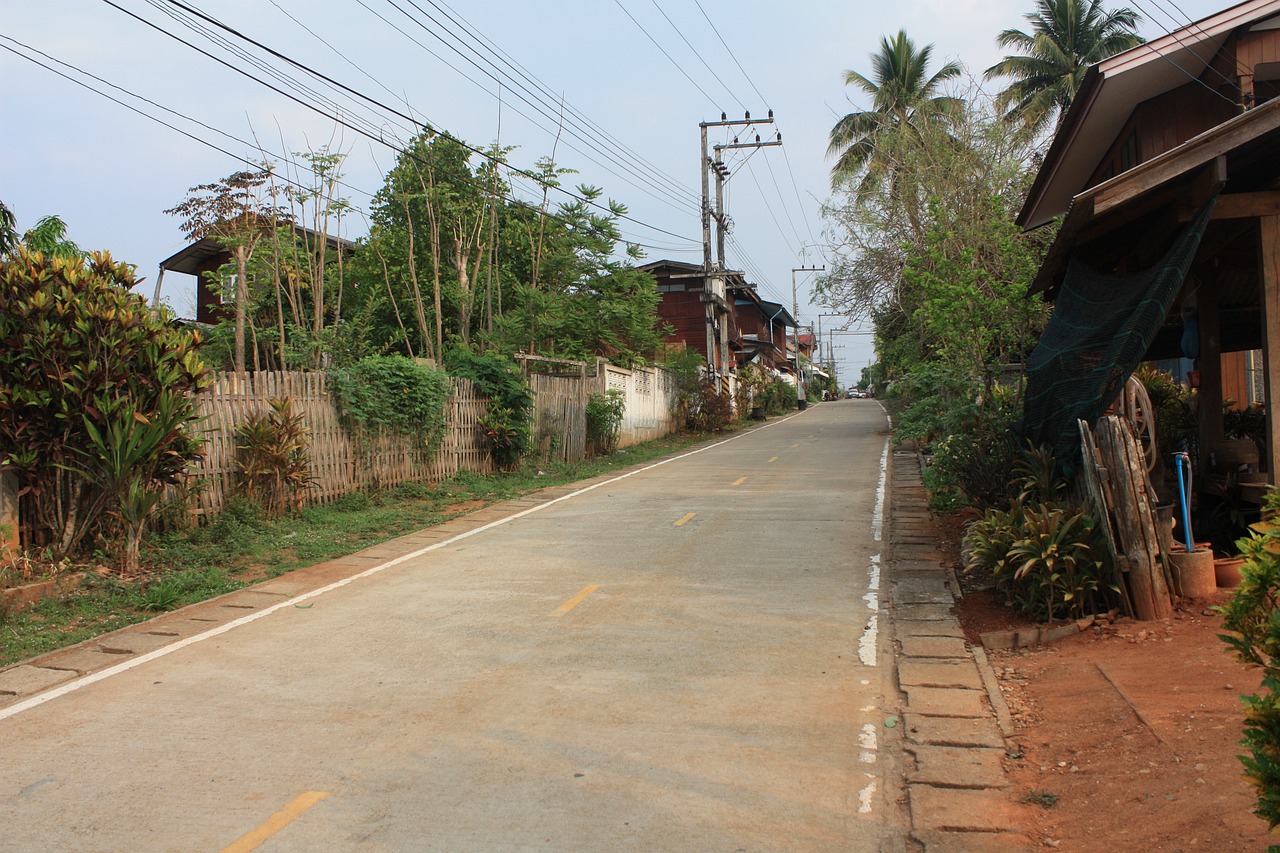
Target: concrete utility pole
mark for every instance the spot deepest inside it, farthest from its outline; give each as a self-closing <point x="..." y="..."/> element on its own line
<point x="713" y="271"/>
<point x="795" y="309"/>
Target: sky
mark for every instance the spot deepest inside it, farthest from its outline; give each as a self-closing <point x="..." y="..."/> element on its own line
<point x="631" y="78"/>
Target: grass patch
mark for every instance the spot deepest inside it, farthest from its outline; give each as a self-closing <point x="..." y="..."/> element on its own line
<point x="241" y="547"/>
<point x="1044" y="799"/>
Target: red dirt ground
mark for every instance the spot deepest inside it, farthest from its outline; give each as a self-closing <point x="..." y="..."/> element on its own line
<point x="1133" y="727"/>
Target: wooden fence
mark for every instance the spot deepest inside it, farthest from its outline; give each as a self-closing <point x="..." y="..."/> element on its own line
<point x="338" y="465"/>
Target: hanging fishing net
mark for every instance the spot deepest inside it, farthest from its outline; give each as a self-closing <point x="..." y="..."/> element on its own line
<point x="1101" y="327"/>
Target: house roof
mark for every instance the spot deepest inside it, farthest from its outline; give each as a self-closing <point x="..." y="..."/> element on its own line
<point x="192" y="257"/>
<point x="1110" y="91"/>
<point x="1183" y="176"/>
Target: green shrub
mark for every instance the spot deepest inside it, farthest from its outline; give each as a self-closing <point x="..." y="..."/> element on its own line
<point x="604" y="420"/>
<point x="273" y="458"/>
<point x="96" y="395"/>
<point x="710" y="410"/>
<point x="507" y="428"/>
<point x="394" y="393"/>
<point x="1043" y="558"/>
<point x="1251" y="625"/>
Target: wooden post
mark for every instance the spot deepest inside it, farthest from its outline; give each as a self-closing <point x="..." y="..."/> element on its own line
<point x="1210" y="394"/>
<point x="1269" y="281"/>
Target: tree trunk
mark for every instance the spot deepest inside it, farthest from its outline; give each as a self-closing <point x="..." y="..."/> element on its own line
<point x="242" y="299"/>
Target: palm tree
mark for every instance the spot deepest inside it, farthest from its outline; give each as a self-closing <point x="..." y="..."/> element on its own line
<point x="1067" y="36"/>
<point x="903" y="99"/>
<point x="8" y="230"/>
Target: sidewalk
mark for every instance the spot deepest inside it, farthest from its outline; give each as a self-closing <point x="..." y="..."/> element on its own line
<point x="954" y="717"/>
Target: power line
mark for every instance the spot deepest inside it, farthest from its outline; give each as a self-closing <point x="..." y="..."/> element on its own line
<point x="378" y="137"/>
<point x="159" y="121"/>
<point x="695" y="52"/>
<point x="541" y="107"/>
<point x="668" y="56"/>
<point x="513" y="65"/>
<point x="729" y="50"/>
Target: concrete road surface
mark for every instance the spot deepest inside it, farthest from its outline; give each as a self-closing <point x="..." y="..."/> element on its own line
<point x="687" y="658"/>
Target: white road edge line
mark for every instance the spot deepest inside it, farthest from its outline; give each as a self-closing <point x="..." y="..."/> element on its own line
<point x="871" y="633"/>
<point x="92" y="678"/>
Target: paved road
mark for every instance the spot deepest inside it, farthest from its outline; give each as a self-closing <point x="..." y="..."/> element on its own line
<point x="687" y="658"/>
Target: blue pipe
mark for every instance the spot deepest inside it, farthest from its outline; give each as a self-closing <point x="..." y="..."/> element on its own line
<point x="1179" y="459"/>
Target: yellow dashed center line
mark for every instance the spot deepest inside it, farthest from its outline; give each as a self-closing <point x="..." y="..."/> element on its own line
<point x="773" y="459"/>
<point x="278" y="821"/>
<point x="575" y="601"/>
<point x="740" y="481"/>
<point x="684" y="518"/>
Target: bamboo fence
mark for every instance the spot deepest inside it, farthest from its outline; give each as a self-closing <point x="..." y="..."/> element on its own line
<point x="339" y="464"/>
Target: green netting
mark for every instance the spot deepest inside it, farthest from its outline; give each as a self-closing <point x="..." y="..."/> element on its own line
<point x="1102" y="326"/>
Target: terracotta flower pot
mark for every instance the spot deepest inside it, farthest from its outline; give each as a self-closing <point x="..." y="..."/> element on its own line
<point x="1226" y="571"/>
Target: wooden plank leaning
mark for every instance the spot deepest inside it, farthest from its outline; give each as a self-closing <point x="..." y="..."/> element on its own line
<point x="1134" y="508"/>
<point x="1094" y="475"/>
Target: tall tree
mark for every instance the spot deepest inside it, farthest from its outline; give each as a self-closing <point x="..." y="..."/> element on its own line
<point x="1067" y="36"/>
<point x="238" y="214"/>
<point x="905" y="100"/>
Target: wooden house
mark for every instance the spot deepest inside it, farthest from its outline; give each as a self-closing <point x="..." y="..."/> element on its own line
<point x="1178" y="135"/>
<point x="207" y="255"/>
<point x="740" y="329"/>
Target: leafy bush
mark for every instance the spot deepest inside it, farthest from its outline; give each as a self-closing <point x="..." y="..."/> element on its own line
<point x="1043" y="558"/>
<point x="1251" y="624"/>
<point x="1045" y="554"/>
<point x="604" y="420"/>
<point x="391" y="392"/>
<point x="966" y="434"/>
<point x="508" y="425"/>
<point x="686" y="366"/>
<point x="1176" y="425"/>
<point x="273" y="459"/>
<point x="710" y="410"/>
<point x="95" y="397"/>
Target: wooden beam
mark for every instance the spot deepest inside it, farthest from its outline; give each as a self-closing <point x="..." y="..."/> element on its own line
<point x="1269" y="281"/>
<point x="1179" y="161"/>
<point x="1209" y="405"/>
<point x="1247" y="205"/>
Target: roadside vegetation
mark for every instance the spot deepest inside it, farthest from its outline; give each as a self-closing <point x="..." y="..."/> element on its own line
<point x="927" y="183"/>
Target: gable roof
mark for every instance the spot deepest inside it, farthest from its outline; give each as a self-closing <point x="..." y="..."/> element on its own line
<point x="193" y="256"/>
<point x="1110" y="91"/>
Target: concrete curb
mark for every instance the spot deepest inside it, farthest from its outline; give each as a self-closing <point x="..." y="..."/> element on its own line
<point x="955" y="720"/>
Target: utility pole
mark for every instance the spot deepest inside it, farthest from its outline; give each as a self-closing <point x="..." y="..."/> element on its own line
<point x="714" y="272"/>
<point x="795" y="306"/>
<point x="795" y="310"/>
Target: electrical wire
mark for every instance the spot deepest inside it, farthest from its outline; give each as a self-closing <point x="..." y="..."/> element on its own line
<point x="696" y="53"/>
<point x="729" y="50"/>
<point x="144" y="114"/>
<point x="540" y="106"/>
<point x="377" y="136"/>
<point x="507" y="60"/>
<point x="668" y="56"/>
